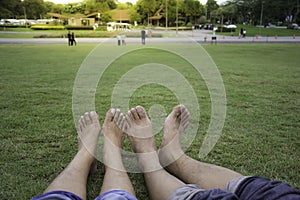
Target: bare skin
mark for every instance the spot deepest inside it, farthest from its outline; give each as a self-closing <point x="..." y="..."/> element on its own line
<point x="191" y="171"/>
<point x="73" y="179"/>
<point x="115" y="176"/>
<point x="159" y="182"/>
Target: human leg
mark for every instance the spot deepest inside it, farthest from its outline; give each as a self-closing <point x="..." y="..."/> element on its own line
<point x="189" y="170"/>
<point x="115" y="176"/>
<point x="159" y="182"/>
<point x="73" y="179"/>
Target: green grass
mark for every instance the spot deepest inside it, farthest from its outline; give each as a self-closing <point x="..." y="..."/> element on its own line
<point x="271" y="32"/>
<point x="38" y="137"/>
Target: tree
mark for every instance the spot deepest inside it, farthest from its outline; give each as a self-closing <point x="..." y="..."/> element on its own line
<point x="230" y="11"/>
<point x="146" y="8"/>
<point x="10" y="9"/>
<point x="134" y="15"/>
<point x="35" y="9"/>
<point x="106" y="17"/>
<point x="211" y="5"/>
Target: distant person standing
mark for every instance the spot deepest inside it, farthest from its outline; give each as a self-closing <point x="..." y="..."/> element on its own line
<point x="73" y="39"/>
<point x="143" y="37"/>
<point x="69" y="38"/>
<point x="241" y="32"/>
<point x="244" y="33"/>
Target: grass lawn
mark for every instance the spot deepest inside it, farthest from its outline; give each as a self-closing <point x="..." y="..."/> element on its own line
<point x="271" y="32"/>
<point x="252" y="31"/>
<point x="38" y="136"/>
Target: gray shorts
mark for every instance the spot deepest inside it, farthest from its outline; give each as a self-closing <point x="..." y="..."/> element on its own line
<point x="245" y="187"/>
<point x="189" y="191"/>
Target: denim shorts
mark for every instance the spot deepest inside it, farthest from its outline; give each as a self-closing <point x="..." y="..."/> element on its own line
<point x="64" y="195"/>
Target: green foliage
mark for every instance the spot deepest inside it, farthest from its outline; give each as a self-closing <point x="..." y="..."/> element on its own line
<point x="106" y="17"/>
<point x="34" y="8"/>
<point x="211" y="5"/>
<point x="134" y="15"/>
<point x="47" y="27"/>
<point x="273" y="11"/>
<point x="69" y="27"/>
<point x="10" y="8"/>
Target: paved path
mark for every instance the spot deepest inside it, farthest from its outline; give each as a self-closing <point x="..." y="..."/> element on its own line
<point x="183" y="37"/>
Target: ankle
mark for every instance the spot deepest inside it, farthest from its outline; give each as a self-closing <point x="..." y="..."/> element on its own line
<point x="168" y="156"/>
<point x="149" y="162"/>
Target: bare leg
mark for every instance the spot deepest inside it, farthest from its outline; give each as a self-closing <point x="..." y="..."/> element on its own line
<point x="191" y="171"/>
<point x="115" y="176"/>
<point x="73" y="179"/>
<point x="159" y="182"/>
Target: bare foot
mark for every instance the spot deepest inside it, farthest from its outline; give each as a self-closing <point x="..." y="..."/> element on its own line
<point x="175" y="124"/>
<point x="139" y="130"/>
<point x="88" y="130"/>
<point x="113" y="138"/>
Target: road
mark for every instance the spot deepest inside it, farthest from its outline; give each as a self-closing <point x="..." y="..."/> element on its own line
<point x="184" y="37"/>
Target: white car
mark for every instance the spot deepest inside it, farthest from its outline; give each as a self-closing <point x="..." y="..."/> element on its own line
<point x="231" y="26"/>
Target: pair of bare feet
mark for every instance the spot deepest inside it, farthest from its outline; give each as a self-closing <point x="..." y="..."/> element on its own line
<point x="137" y="126"/>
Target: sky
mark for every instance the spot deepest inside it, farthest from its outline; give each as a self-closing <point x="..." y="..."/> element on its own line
<point x="122" y="1"/>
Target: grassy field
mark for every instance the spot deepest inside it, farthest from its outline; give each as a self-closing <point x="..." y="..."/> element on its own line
<point x="29" y="33"/>
<point x="271" y="32"/>
<point x="38" y="136"/>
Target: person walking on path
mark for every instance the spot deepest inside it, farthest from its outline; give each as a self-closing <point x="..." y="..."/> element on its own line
<point x="69" y="38"/>
<point x="73" y="39"/>
<point x="143" y="35"/>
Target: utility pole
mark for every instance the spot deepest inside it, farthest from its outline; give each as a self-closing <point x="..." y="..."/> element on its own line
<point x="24" y="13"/>
<point x="177" y="17"/>
<point x="166" y="15"/>
<point x="261" y="16"/>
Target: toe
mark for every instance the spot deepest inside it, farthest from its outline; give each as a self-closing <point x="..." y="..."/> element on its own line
<point x="79" y="126"/>
<point x="122" y="123"/>
<point x="87" y="118"/>
<point x="134" y="114"/>
<point x="120" y="119"/>
<point x="94" y="117"/>
<point x="128" y="120"/>
<point x="110" y="115"/>
<point x="117" y="115"/>
<point x="129" y="115"/>
<point x="141" y="112"/>
<point x="177" y="110"/>
<point x="81" y="122"/>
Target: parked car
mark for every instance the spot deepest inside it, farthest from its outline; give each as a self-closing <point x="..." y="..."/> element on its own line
<point x="208" y="26"/>
<point x="230" y="26"/>
<point x="293" y="26"/>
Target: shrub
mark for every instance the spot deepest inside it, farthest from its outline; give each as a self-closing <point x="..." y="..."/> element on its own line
<point x="47" y="27"/>
<point x="68" y="27"/>
<point x="12" y="26"/>
<point x="225" y="30"/>
<point x="101" y="28"/>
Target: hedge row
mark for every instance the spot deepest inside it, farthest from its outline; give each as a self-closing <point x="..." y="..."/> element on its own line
<point x="47" y="27"/>
<point x="68" y="27"/>
<point x="225" y="30"/>
<point x="12" y="26"/>
<point x="96" y="34"/>
<point x="59" y="27"/>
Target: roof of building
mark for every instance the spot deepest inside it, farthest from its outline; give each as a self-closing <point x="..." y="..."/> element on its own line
<point x="57" y="15"/>
<point x="120" y="15"/>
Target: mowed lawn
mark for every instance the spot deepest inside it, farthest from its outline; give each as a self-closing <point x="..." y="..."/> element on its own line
<point x="38" y="137"/>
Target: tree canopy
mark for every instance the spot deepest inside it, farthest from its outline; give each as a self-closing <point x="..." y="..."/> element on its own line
<point x="189" y="11"/>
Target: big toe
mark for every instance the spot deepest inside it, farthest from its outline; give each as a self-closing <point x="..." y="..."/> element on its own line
<point x="141" y="112"/>
<point x="110" y="115"/>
